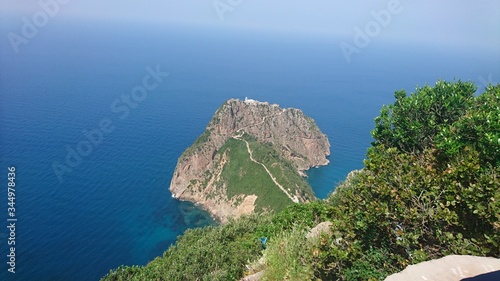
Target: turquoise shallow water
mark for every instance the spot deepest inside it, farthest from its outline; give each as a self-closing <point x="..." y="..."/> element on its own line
<point x="114" y="207"/>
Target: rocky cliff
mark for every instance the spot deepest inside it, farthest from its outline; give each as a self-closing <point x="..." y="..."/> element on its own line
<point x="250" y="158"/>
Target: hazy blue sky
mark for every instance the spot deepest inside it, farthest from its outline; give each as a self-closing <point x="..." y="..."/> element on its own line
<point x="475" y="23"/>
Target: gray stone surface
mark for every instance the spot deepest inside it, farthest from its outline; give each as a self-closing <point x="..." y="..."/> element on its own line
<point x="322" y="228"/>
<point x="254" y="277"/>
<point x="451" y="268"/>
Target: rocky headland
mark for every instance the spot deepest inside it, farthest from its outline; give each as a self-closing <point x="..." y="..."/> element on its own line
<point x="252" y="157"/>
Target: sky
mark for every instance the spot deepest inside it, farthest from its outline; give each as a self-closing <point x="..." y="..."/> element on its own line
<point x="475" y="23"/>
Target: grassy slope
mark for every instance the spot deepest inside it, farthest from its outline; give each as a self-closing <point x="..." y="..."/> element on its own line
<point x="284" y="172"/>
<point x="242" y="176"/>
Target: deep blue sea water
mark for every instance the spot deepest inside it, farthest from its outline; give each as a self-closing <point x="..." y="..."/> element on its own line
<point x="114" y="207"/>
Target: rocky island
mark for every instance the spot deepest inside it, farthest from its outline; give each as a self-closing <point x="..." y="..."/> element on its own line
<point x="251" y="158"/>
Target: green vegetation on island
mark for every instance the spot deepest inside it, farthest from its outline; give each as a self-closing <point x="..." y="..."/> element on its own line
<point x="243" y="176"/>
<point x="430" y="187"/>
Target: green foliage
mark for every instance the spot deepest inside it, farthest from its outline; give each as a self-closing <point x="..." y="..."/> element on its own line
<point x="479" y="128"/>
<point x="412" y="122"/>
<point x="297" y="215"/>
<point x="417" y="198"/>
<point x="371" y="266"/>
<point x="242" y="176"/>
<point x="288" y="257"/>
<point x="404" y="205"/>
<point x="210" y="253"/>
<point x="282" y="169"/>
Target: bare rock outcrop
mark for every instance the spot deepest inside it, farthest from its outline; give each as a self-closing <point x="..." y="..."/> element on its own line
<point x="323" y="228"/>
<point x="293" y="135"/>
<point x="451" y="268"/>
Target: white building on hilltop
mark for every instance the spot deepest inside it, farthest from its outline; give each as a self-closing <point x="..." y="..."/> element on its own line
<point x="247" y="100"/>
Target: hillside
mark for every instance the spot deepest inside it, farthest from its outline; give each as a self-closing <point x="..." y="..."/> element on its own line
<point x="251" y="158"/>
<point x="430" y="188"/>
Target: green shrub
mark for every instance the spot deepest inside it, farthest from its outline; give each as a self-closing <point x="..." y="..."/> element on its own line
<point x="305" y="216"/>
<point x="478" y="129"/>
<point x="417" y="198"/>
<point x="371" y="266"/>
<point x="288" y="257"/>
<point x="210" y="253"/>
<point x="412" y="122"/>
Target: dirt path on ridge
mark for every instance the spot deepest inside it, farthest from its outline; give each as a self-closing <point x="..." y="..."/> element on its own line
<point x="293" y="198"/>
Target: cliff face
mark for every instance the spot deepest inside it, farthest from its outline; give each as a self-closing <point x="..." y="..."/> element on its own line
<point x="248" y="151"/>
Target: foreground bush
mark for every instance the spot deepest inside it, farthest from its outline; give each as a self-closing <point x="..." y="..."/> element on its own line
<point x="430" y="186"/>
<point x="289" y="257"/>
<point x="210" y="253"/>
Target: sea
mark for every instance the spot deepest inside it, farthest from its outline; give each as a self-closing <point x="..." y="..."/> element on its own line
<point x="95" y="115"/>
